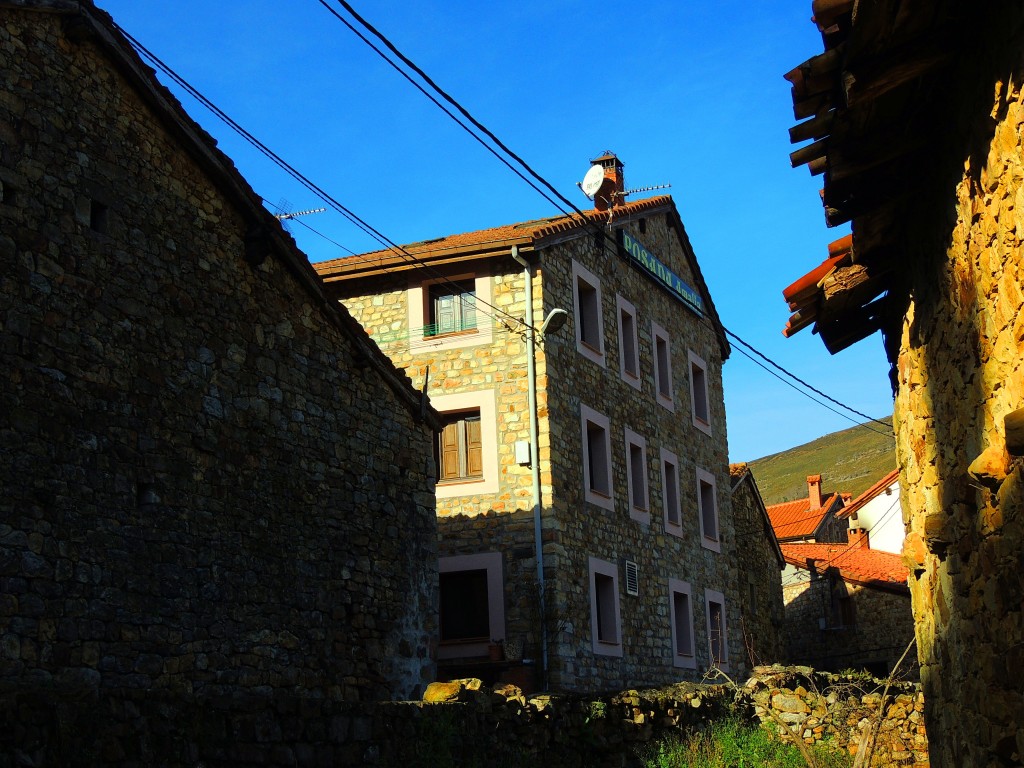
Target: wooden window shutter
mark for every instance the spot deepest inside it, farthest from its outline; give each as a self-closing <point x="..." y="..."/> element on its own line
<point x="474" y="448"/>
<point x="444" y="314"/>
<point x="449" y="449"/>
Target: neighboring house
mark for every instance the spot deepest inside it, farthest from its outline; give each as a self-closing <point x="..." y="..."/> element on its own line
<point x="814" y="519"/>
<point x="635" y="519"/>
<point x="847" y="607"/>
<point x="878" y="514"/>
<point x="916" y="113"/>
<point x="760" y="578"/>
<point x="213" y="481"/>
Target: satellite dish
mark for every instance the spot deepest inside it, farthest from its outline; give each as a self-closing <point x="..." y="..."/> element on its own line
<point x="592" y="181"/>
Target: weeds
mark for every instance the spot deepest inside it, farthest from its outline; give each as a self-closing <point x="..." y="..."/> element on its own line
<point x="732" y="744"/>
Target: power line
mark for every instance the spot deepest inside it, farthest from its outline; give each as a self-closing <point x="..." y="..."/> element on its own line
<point x="281" y="163"/>
<point x="477" y="124"/>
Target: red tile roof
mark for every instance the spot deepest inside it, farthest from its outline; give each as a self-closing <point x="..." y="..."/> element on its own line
<point x="870" y="493"/>
<point x="856" y="564"/>
<point x="493" y="238"/>
<point x="796" y="519"/>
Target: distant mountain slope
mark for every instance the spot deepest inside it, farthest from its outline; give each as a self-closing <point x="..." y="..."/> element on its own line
<point x="850" y="460"/>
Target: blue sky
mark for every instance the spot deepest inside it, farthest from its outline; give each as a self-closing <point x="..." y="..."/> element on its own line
<point x="687" y="93"/>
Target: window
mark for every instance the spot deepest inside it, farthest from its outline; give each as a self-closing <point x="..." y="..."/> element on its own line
<point x="670" y="492"/>
<point x="636" y="476"/>
<point x="699" y="393"/>
<point x="629" y="347"/>
<point x="466" y="450"/>
<point x="472" y="609"/>
<point x="452" y="308"/>
<point x="605" y="620"/>
<point x="707" y="507"/>
<point x="448" y="313"/>
<point x="597" y="458"/>
<point x="847" y="616"/>
<point x="662" y="367"/>
<point x="717" y="639"/>
<point x="459" y="451"/>
<point x="681" y="617"/>
<point x="586" y="296"/>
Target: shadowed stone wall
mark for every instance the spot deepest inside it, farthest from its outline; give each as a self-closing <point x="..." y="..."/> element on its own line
<point x="209" y="483"/>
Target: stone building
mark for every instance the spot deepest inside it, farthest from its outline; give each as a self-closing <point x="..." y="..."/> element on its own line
<point x="916" y="110"/>
<point x="847" y="607"/>
<point x="634" y="517"/>
<point x="213" y="481"/>
<point x="816" y="519"/>
<point x="759" y="581"/>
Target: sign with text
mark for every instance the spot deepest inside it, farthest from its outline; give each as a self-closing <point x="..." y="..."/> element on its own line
<point x="660" y="273"/>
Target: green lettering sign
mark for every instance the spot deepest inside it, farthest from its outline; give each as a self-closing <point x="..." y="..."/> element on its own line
<point x="661" y="274"/>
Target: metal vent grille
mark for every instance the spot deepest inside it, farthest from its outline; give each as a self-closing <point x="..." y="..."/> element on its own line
<point x="632" y="578"/>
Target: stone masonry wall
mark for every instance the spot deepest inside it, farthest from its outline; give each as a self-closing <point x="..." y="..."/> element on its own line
<point x="203" y="490"/>
<point x="960" y="371"/>
<point x="759" y="584"/>
<point x="585" y="530"/>
<point x="881" y="630"/>
<point x="462" y="723"/>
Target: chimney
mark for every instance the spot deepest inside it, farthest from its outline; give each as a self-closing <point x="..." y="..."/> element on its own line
<point x="612" y="191"/>
<point x="814" y="491"/>
<point x="859" y="538"/>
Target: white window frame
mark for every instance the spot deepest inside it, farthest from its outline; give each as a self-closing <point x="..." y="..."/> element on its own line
<point x="660" y="334"/>
<point x="581" y="273"/>
<point x="712" y="596"/>
<point x="484" y="400"/>
<point x="639" y="508"/>
<point x="681" y="660"/>
<point x="626" y="340"/>
<point x="699" y="390"/>
<point x="606" y="570"/>
<point x="492" y="563"/>
<point x="418" y="310"/>
<point x="590" y="416"/>
<point x="714" y="542"/>
<point x="670" y="479"/>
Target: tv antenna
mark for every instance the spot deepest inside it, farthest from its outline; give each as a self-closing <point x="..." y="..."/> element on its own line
<point x="283" y="214"/>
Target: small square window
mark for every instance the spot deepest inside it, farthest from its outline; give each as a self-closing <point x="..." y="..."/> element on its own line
<point x="586" y="292"/>
<point x="717" y="638"/>
<point x="636" y="477"/>
<point x="452" y="308"/>
<point x="707" y="507"/>
<point x="670" y="492"/>
<point x="597" y="458"/>
<point x="681" y="618"/>
<point x="699" y="403"/>
<point x="459" y="448"/>
<point x="605" y="618"/>
<point x="629" y="347"/>
<point x="663" y="388"/>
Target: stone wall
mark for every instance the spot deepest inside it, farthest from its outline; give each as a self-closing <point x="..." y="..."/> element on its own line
<point x="759" y="581"/>
<point x="464" y="724"/>
<point x="960" y="370"/>
<point x="209" y="481"/>
<point x="816" y="633"/>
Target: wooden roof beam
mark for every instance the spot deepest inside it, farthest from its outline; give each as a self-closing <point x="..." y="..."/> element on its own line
<point x="815" y="128"/>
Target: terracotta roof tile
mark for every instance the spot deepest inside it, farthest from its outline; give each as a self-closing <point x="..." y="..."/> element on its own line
<point x="795" y="519"/>
<point x="521" y="232"/>
<point x="862" y="565"/>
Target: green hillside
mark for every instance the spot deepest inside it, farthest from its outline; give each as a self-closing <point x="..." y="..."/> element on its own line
<point x="851" y="460"/>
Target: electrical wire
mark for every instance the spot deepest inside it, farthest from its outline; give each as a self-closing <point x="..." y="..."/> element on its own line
<point x="281" y="163"/>
<point x="490" y="135"/>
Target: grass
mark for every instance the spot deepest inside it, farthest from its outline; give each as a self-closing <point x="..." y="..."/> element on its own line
<point x="849" y="461"/>
<point x="731" y="744"/>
